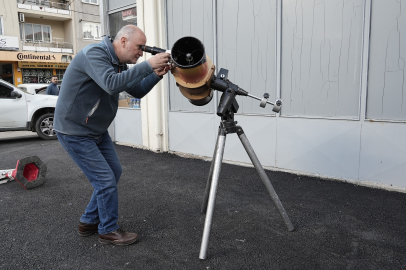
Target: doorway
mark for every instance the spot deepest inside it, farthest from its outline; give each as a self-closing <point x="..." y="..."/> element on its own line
<point x="6" y="72"/>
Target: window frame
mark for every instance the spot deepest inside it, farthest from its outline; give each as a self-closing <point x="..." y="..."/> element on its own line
<point x="59" y="74"/>
<point x="42" y="32"/>
<point x="50" y="32"/>
<point x="1" y="26"/>
<point x="89" y="2"/>
<point x="94" y="27"/>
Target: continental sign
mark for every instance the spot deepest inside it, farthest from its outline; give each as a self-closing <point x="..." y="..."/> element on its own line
<point x="24" y="64"/>
<point x="35" y="57"/>
<point x="26" y="56"/>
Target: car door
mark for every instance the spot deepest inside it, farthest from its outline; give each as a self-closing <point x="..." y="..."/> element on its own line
<point x="13" y="111"/>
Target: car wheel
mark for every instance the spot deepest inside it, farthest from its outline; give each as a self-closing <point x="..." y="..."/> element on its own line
<point x="45" y="126"/>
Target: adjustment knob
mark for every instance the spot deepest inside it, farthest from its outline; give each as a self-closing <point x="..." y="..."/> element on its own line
<point x="264" y="100"/>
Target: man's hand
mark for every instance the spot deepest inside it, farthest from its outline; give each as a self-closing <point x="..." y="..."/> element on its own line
<point x="162" y="70"/>
<point x="159" y="61"/>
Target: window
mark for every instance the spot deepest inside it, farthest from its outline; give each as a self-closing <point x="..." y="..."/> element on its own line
<point x="59" y="74"/>
<point x="46" y="31"/>
<point x="91" y="30"/>
<point x="1" y="26"/>
<point x="36" y="75"/>
<point x="5" y="92"/>
<point x="96" y="2"/>
<point x="37" y="32"/>
<point x="119" y="19"/>
<point x="6" y="72"/>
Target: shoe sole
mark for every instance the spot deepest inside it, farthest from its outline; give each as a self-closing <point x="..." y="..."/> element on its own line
<point x="111" y="242"/>
<point x="88" y="233"/>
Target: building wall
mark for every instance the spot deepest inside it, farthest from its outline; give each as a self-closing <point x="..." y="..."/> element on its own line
<point x="8" y="9"/>
<point x="316" y="58"/>
<point x="88" y="13"/>
<point x="67" y="34"/>
<point x="338" y="66"/>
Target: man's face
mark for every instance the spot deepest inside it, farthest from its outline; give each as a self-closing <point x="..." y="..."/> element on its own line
<point x="54" y="80"/>
<point x="133" y="48"/>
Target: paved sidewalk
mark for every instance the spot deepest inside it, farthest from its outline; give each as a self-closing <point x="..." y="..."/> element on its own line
<point x="17" y="135"/>
<point x="338" y="225"/>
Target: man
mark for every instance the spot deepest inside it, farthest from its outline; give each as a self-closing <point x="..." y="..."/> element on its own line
<point x="87" y="105"/>
<point x="53" y="89"/>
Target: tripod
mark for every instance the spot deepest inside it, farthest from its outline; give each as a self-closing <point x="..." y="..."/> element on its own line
<point x="227" y="107"/>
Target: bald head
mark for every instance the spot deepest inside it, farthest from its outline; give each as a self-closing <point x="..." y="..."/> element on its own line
<point x="127" y="44"/>
<point x="128" y="31"/>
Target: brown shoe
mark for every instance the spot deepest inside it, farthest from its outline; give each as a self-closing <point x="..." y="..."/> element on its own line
<point x="119" y="238"/>
<point x="87" y="229"/>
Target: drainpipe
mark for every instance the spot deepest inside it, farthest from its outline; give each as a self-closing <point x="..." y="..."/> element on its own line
<point x="103" y="17"/>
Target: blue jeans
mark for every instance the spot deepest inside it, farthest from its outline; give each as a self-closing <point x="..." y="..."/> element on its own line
<point x="98" y="160"/>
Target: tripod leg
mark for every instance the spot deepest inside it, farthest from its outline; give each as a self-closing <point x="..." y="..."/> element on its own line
<point x="212" y="196"/>
<point x="264" y="178"/>
<point x="208" y="185"/>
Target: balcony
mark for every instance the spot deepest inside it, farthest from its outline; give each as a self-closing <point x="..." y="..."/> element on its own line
<point x="46" y="6"/>
<point x="42" y="46"/>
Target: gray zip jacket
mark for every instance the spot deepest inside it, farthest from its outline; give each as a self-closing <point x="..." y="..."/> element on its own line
<point x="88" y="98"/>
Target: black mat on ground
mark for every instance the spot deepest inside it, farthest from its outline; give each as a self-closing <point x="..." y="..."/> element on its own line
<point x="338" y="225"/>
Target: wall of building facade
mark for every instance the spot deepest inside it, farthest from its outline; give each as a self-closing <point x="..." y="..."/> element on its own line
<point x="88" y="13"/>
<point x="8" y="10"/>
<point x="338" y="66"/>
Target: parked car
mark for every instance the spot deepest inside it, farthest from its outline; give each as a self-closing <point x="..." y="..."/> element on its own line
<point x="21" y="110"/>
<point x="34" y="88"/>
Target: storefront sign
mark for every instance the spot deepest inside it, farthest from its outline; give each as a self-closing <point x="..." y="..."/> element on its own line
<point x="129" y="14"/>
<point x="9" y="43"/>
<point x="53" y="58"/>
<point x="26" y="56"/>
<point x="23" y="64"/>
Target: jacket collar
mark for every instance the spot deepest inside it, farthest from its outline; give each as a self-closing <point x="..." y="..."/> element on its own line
<point x="108" y="42"/>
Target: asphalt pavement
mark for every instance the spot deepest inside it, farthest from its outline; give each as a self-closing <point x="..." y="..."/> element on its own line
<point x="338" y="225"/>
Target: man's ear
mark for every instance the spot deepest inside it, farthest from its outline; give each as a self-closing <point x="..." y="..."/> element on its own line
<point x="123" y="41"/>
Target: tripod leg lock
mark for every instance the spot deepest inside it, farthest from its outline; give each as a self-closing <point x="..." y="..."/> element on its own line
<point x="240" y="131"/>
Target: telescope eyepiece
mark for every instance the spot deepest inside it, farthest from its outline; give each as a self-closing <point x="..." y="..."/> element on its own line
<point x="152" y="50"/>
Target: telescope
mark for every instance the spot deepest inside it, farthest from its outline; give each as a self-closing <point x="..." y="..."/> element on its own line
<point x="193" y="71"/>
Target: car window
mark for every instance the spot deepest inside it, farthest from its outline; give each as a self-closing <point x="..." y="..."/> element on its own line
<point x="6" y="83"/>
<point x="24" y="89"/>
<point x="5" y="91"/>
<point x="41" y="90"/>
